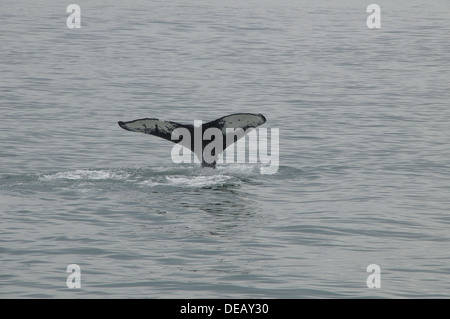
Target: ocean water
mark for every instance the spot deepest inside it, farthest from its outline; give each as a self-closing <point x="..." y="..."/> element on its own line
<point x="364" y="175"/>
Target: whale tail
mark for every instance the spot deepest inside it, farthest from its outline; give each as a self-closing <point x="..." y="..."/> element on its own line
<point x="222" y="132"/>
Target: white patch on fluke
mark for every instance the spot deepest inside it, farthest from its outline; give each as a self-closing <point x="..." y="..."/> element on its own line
<point x="240" y="121"/>
<point x="150" y="125"/>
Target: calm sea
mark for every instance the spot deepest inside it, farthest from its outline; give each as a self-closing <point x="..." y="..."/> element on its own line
<point x="364" y="174"/>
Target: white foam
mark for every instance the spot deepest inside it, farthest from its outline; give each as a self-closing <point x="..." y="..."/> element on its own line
<point x="149" y="183"/>
<point x="240" y="169"/>
<point x="198" y="181"/>
<point x="87" y="175"/>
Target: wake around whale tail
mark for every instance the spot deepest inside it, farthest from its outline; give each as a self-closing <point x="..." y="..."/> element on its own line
<point x="222" y="133"/>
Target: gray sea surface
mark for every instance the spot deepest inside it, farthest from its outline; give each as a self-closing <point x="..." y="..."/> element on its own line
<point x="364" y="175"/>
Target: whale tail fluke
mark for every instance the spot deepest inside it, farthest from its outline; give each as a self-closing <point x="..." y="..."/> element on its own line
<point x="229" y="129"/>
